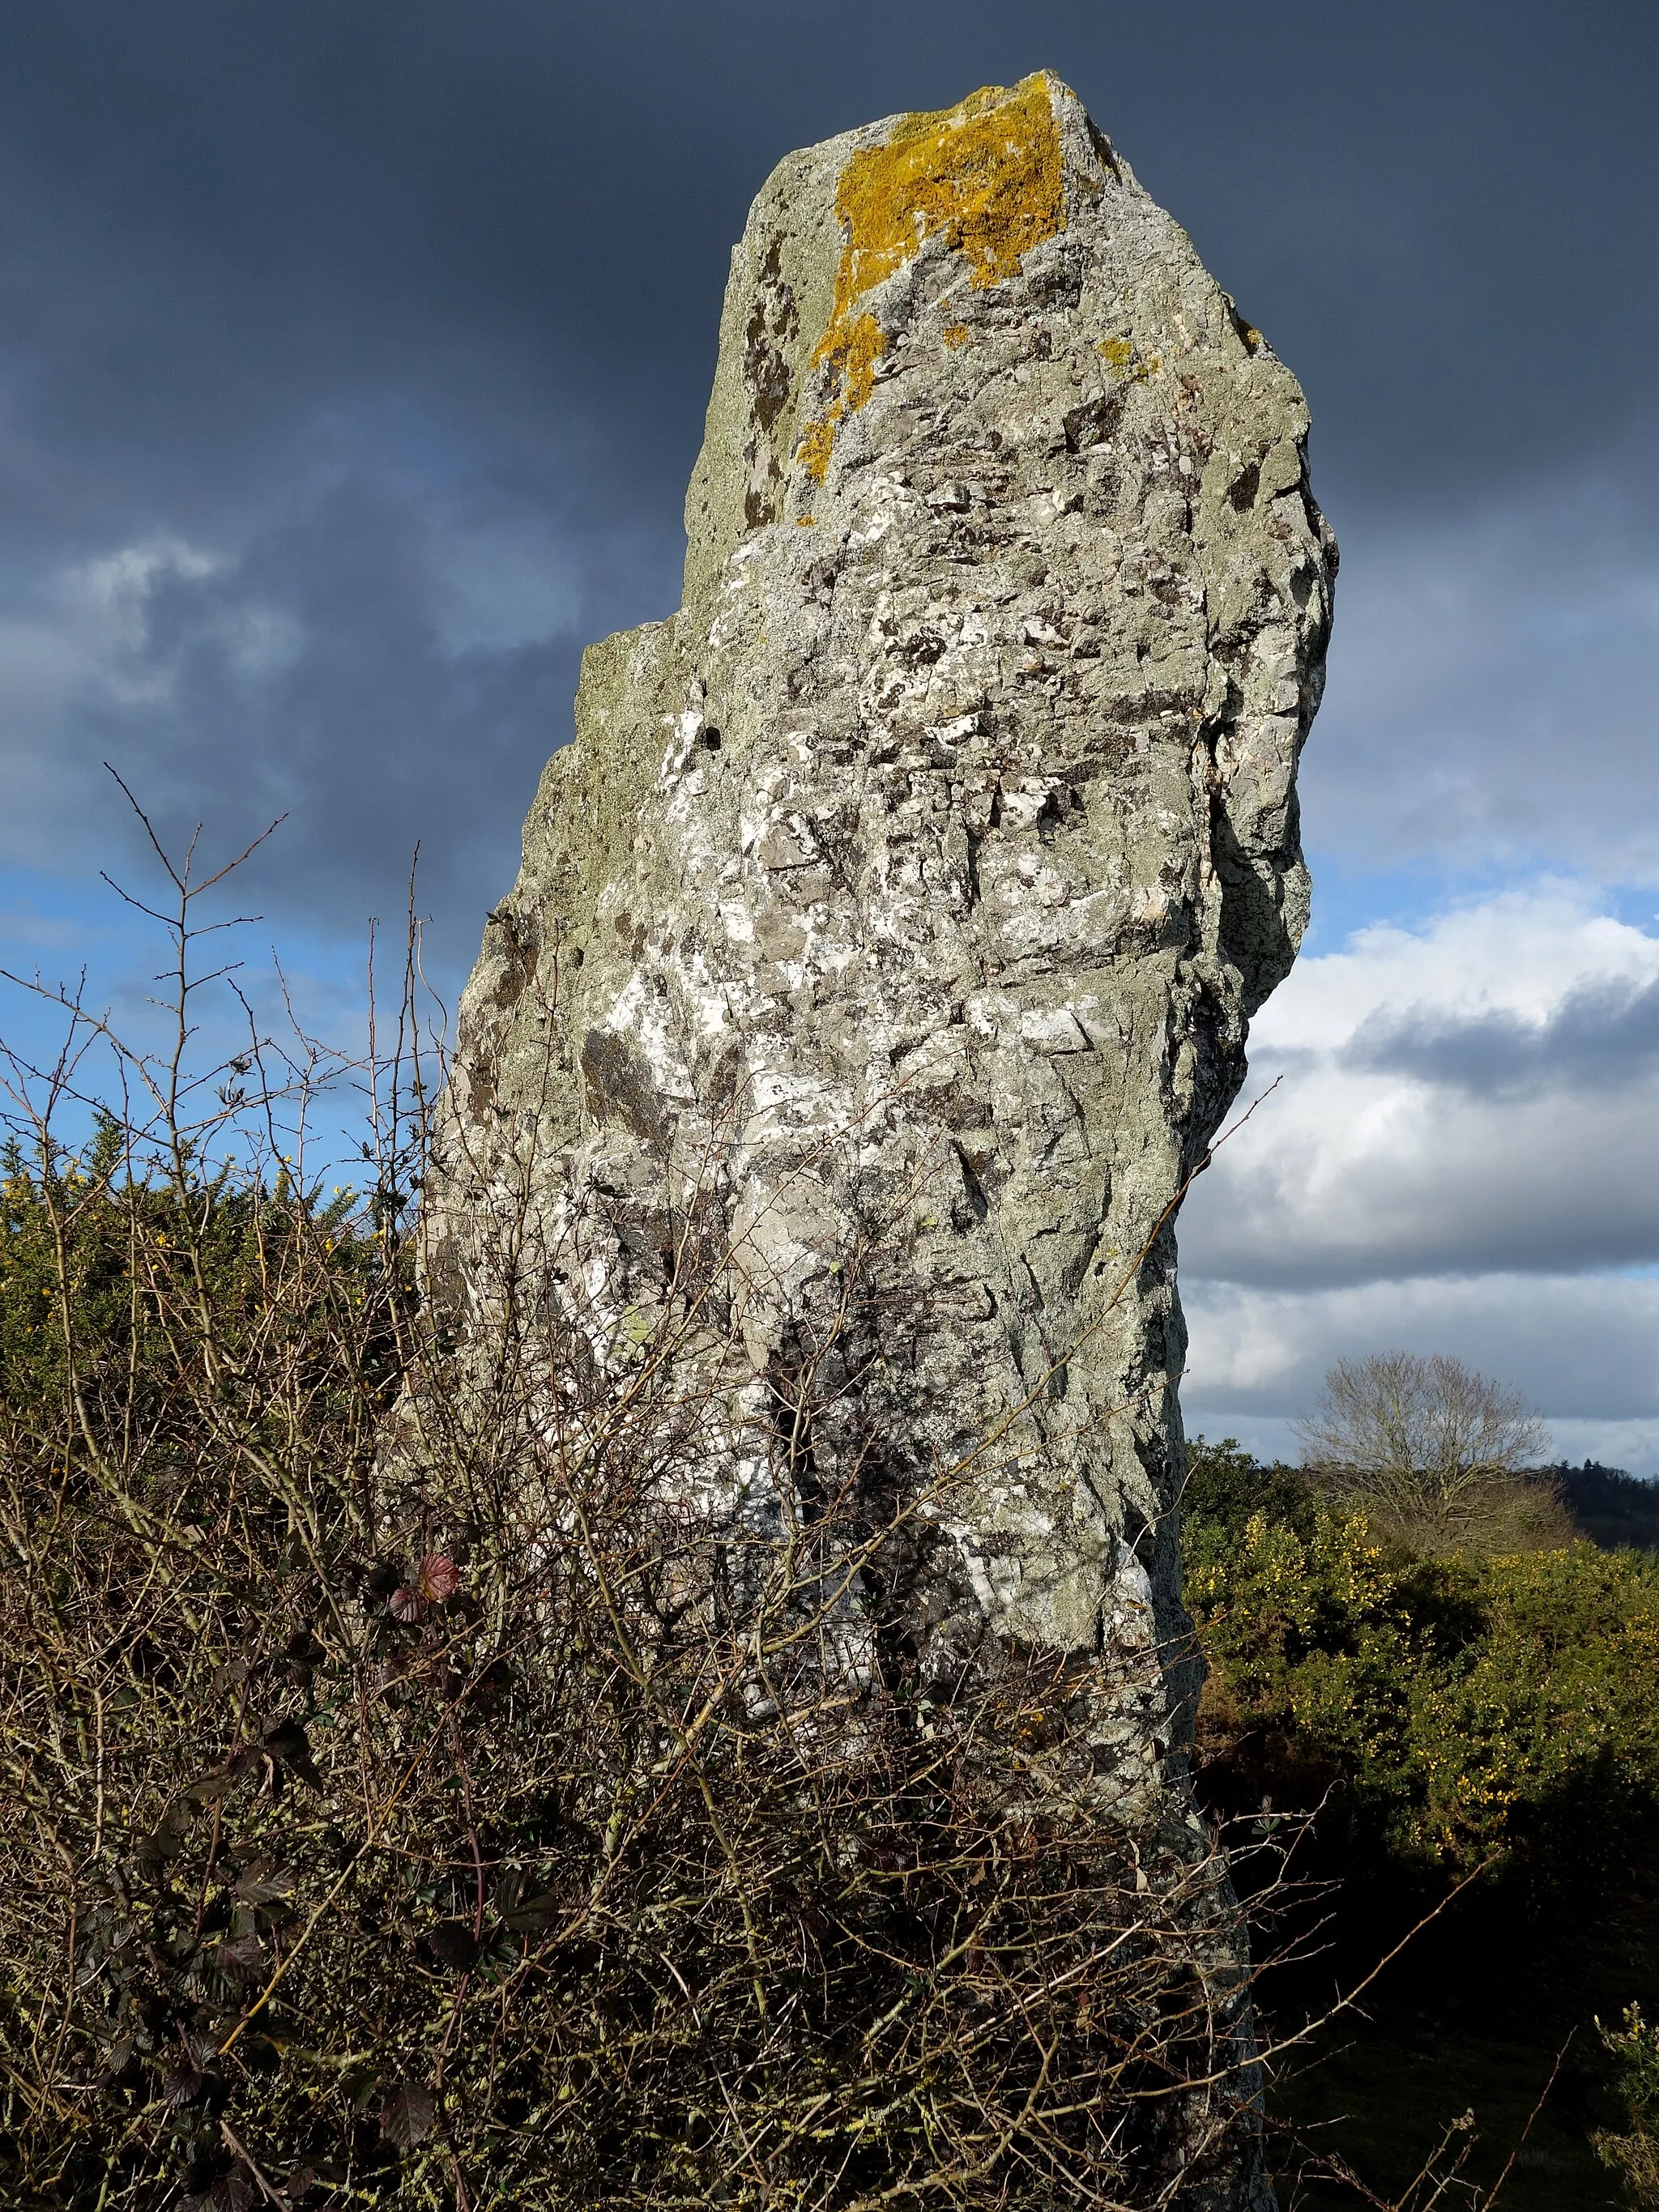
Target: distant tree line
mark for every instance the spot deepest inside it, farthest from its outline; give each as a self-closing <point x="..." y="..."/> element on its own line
<point x="1609" y="1506"/>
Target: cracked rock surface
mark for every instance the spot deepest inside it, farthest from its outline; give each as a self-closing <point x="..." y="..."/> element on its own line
<point x="904" y="899"/>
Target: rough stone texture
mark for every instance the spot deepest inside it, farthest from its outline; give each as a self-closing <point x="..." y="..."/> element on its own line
<point x="923" y="870"/>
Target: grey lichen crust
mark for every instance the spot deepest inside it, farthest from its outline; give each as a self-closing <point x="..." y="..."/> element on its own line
<point x="923" y="870"/>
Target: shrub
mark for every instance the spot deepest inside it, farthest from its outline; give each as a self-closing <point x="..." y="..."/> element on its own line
<point x="428" y="1812"/>
<point x="415" y="1844"/>
<point x="1463" y="1711"/>
<point x="1225" y="1488"/>
<point x="1633" y="2155"/>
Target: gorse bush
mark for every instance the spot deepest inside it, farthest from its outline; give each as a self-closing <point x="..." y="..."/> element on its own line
<point x="95" y="1263"/>
<point x="1456" y="1712"/>
<point x="406" y="1802"/>
<point x="1633" y="2152"/>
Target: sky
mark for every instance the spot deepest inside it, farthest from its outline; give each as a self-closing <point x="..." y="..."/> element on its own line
<point x="353" y="360"/>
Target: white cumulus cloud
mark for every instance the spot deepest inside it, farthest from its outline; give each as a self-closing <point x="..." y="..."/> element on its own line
<point x="1462" y="1156"/>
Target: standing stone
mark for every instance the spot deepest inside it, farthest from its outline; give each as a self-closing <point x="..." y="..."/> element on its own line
<point x="903" y="901"/>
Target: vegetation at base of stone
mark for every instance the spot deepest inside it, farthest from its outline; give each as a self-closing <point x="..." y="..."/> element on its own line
<point x="360" y="1845"/>
<point x="1446" y="1713"/>
<point x="95" y="1262"/>
<point x="1492" y="2001"/>
<point x="406" y="1802"/>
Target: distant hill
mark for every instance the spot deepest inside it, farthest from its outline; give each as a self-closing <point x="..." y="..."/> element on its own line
<point x="1611" y="1507"/>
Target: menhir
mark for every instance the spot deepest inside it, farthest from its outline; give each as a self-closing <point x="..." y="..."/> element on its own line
<point x="879" y="968"/>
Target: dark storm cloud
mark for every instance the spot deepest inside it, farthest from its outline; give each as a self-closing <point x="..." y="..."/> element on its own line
<point x="385" y="667"/>
<point x="1444" y="217"/>
<point x="1602" y="1037"/>
<point x="375" y="341"/>
<point x="1490" y="702"/>
<point x="310" y="677"/>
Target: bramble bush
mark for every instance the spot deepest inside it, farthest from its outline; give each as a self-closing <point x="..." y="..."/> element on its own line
<point x="1449" y="1712"/>
<point x="404" y="1802"/>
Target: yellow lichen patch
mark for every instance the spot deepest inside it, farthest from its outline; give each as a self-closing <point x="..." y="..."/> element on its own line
<point x="1123" y="360"/>
<point x="816" y="442"/>
<point x="956" y="334"/>
<point x="864" y="346"/>
<point x="986" y="173"/>
<point x="856" y="353"/>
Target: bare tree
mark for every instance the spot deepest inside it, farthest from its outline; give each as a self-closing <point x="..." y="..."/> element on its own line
<point x="1438" y="1457"/>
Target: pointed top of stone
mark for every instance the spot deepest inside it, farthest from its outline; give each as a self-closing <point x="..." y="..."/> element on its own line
<point x="865" y="253"/>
